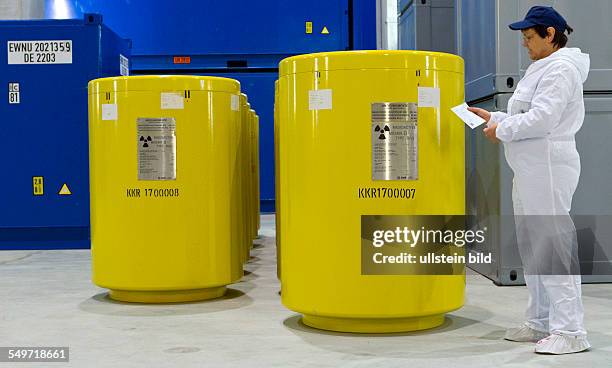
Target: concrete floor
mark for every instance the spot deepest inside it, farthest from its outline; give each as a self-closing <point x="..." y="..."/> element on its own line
<point x="47" y="299"/>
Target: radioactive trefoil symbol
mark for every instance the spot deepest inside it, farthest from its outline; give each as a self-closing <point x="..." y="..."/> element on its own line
<point x="146" y="140"/>
<point x="383" y="131"/>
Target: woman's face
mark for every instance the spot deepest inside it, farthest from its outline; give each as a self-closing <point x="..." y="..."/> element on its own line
<point x="538" y="47"/>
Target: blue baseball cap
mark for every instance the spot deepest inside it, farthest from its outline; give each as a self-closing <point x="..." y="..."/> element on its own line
<point x="541" y="15"/>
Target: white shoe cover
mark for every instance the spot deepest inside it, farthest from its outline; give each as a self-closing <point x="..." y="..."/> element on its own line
<point x="562" y="344"/>
<point x="524" y="334"/>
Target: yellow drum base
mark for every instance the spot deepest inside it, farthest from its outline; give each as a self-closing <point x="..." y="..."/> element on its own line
<point x="171" y="296"/>
<point x="373" y="325"/>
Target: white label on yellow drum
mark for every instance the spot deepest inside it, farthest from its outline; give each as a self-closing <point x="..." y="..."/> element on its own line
<point x="429" y="97"/>
<point x="235" y="103"/>
<point x="395" y="154"/>
<point x="172" y="101"/>
<point x="109" y="112"/>
<point x="156" y="141"/>
<point x="320" y="99"/>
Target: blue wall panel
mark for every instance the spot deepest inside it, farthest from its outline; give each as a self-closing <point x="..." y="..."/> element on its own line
<point x="364" y="24"/>
<point x="162" y="27"/>
<point x="260" y="89"/>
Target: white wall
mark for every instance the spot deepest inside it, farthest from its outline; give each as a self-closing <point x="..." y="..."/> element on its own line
<point x="22" y="9"/>
<point x="386" y="24"/>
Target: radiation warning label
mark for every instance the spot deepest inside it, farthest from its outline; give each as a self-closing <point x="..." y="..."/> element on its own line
<point x="156" y="141"/>
<point x="394" y="141"/>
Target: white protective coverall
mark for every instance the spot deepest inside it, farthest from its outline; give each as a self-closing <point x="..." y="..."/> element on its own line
<point x="544" y="114"/>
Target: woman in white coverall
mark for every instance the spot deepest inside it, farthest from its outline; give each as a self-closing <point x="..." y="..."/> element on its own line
<point x="544" y="114"/>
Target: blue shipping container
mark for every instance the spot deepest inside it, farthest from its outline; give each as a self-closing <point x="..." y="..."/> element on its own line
<point x="44" y="190"/>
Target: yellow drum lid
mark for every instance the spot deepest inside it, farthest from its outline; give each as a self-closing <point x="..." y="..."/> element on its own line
<point x="372" y="59"/>
<point x="164" y="83"/>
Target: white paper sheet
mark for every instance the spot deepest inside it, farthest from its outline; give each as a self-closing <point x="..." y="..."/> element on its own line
<point x="469" y="118"/>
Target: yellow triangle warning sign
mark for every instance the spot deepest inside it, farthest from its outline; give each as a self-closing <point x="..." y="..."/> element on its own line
<point x="65" y="190"/>
<point x="325" y="30"/>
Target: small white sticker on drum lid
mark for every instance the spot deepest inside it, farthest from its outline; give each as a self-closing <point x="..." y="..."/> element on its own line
<point x="235" y="103"/>
<point x="109" y="112"/>
<point x="429" y="97"/>
<point x="172" y="101"/>
<point x="320" y="99"/>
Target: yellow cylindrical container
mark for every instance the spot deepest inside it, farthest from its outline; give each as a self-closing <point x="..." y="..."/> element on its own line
<point x="256" y="174"/>
<point x="243" y="170"/>
<point x="236" y="198"/>
<point x="277" y="205"/>
<point x="253" y="174"/>
<point x="331" y="155"/>
<point x="248" y="174"/>
<point x="161" y="152"/>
